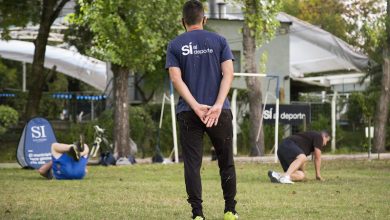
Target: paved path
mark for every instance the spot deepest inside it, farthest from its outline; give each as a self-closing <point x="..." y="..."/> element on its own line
<point x="264" y="159"/>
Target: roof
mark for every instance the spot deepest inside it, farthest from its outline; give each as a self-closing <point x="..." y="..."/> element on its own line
<point x="302" y="85"/>
<point x="314" y="50"/>
<point x="71" y="63"/>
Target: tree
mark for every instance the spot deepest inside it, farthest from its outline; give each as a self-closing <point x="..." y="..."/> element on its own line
<point x="328" y="15"/>
<point x="50" y="10"/>
<point x="259" y="26"/>
<point x="132" y="35"/>
<point x="382" y="113"/>
<point x="20" y="13"/>
<point x="8" y="117"/>
<point x="17" y="13"/>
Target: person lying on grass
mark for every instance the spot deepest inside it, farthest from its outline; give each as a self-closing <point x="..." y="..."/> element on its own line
<point x="293" y="152"/>
<point x="69" y="161"/>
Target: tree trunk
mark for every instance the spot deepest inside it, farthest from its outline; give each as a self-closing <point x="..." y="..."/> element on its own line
<point x="121" y="112"/>
<point x="50" y="11"/>
<point x="382" y="112"/>
<point x="254" y="88"/>
<point x="73" y="86"/>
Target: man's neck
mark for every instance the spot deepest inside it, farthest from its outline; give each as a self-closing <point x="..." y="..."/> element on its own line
<point x="195" y="27"/>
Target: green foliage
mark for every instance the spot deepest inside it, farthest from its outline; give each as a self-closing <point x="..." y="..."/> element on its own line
<point x="8" y="117"/>
<point x="8" y="77"/>
<point x="261" y="18"/>
<point x="131" y="34"/>
<point x="355" y="112"/>
<point x="322" y="123"/>
<point x="326" y="14"/>
<point x="367" y="103"/>
<point x="243" y="143"/>
<point x="49" y="107"/>
<point x="142" y="127"/>
<point x="72" y="134"/>
<point x="366" y="26"/>
<point x="360" y="23"/>
<point x="18" y="13"/>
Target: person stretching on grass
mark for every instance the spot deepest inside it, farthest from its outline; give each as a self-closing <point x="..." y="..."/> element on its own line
<point x="200" y="65"/>
<point x="293" y="152"/>
<point x="69" y="161"/>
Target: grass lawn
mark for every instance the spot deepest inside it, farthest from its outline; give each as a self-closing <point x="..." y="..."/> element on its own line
<point x="352" y="190"/>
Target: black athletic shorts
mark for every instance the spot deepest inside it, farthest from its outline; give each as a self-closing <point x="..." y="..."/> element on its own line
<point x="288" y="151"/>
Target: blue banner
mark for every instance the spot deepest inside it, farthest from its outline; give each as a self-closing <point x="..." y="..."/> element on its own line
<point x="39" y="136"/>
<point x="288" y="114"/>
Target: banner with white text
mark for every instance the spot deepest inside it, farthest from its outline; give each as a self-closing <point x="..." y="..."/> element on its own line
<point x="288" y="114"/>
<point x="34" y="148"/>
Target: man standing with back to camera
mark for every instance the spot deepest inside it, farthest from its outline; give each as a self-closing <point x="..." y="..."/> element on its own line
<point x="200" y="65"/>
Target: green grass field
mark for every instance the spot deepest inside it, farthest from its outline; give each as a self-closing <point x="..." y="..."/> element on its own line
<point x="358" y="189"/>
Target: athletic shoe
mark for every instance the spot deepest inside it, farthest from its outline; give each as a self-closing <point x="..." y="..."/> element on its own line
<point x="198" y="218"/>
<point x="122" y="161"/>
<point x="74" y="152"/>
<point x="80" y="143"/>
<point x="285" y="180"/>
<point x="230" y="216"/>
<point x="273" y="176"/>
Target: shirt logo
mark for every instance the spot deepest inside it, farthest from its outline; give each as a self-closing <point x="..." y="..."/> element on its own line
<point x="193" y="49"/>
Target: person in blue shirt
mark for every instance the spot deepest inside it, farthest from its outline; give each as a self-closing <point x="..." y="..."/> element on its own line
<point x="200" y="66"/>
<point x="69" y="161"/>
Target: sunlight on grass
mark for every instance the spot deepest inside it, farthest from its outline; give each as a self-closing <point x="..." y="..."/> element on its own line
<point x="352" y="190"/>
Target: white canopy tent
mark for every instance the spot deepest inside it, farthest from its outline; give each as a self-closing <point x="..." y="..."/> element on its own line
<point x="314" y="50"/>
<point x="71" y="63"/>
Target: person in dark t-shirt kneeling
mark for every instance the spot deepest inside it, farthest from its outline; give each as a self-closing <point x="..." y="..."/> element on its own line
<point x="293" y="152"/>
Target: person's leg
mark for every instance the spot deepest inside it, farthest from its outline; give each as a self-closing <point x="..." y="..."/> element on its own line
<point x="191" y="139"/>
<point x="57" y="149"/>
<point x="85" y="154"/>
<point x="295" y="169"/>
<point x="86" y="151"/>
<point x="298" y="175"/>
<point x="292" y="159"/>
<point x="221" y="137"/>
<point x="45" y="168"/>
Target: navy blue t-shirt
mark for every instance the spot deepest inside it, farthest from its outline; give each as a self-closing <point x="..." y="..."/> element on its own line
<point x="199" y="55"/>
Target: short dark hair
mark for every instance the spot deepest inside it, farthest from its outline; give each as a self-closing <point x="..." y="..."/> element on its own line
<point x="325" y="133"/>
<point x="193" y="12"/>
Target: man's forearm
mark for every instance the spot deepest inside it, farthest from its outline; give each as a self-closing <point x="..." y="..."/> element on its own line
<point x="227" y="69"/>
<point x="181" y="87"/>
<point x="317" y="164"/>
<point x="224" y="90"/>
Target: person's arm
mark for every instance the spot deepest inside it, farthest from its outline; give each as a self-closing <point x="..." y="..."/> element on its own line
<point x="184" y="92"/>
<point x="317" y="163"/>
<point x="228" y="75"/>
